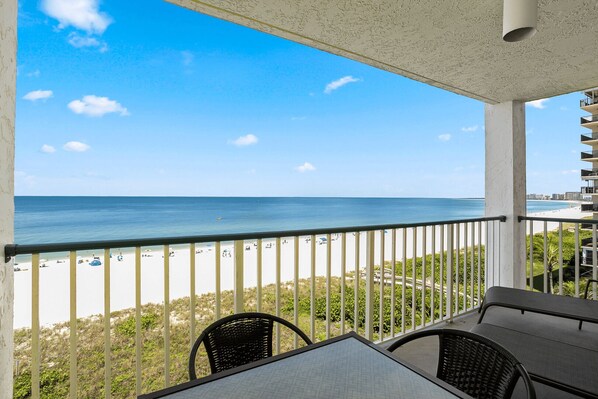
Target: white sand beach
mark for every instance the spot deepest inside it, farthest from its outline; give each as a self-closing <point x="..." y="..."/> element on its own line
<point x="54" y="278"/>
<point x="573" y="212"/>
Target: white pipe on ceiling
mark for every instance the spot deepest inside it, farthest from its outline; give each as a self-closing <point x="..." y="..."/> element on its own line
<point x="519" y="19"/>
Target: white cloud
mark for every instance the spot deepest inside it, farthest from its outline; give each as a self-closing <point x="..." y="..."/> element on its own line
<point x="330" y="87"/>
<point x="78" y="41"/>
<point x="48" y="149"/>
<point x="97" y="106"/>
<point x="244" y="140"/>
<point x="81" y="14"/>
<point x="469" y="129"/>
<point x="444" y="137"/>
<point x="187" y="57"/>
<point x="76" y="146"/>
<point x="539" y="104"/>
<point x="38" y="95"/>
<point x="570" y="172"/>
<point x="306" y="167"/>
<point x="34" y="74"/>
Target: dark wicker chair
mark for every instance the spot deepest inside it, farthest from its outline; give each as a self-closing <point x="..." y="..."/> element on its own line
<point x="474" y="364"/>
<point x="237" y="340"/>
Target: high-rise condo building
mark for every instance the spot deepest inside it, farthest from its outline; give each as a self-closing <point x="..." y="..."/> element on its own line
<point x="590" y="175"/>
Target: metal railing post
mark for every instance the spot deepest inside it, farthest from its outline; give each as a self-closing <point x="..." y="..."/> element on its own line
<point x="449" y="274"/>
<point x="35" y="347"/>
<point x="166" y="315"/>
<point x="239" y="303"/>
<point x="577" y="260"/>
<point x="296" y="287"/>
<point x="594" y="261"/>
<point x="107" y="319"/>
<point x="73" y="327"/>
<point x="192" y="294"/>
<point x="369" y="286"/>
<point x="328" y="283"/>
<point x="138" y="320"/>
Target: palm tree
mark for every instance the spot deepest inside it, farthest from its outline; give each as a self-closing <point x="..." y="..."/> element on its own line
<point x="552" y="254"/>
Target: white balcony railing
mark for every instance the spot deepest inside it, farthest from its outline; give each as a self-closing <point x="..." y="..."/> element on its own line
<point x="380" y="281"/>
<point x="561" y="255"/>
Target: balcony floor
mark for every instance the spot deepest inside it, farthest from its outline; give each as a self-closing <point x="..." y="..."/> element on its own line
<point x="423" y="354"/>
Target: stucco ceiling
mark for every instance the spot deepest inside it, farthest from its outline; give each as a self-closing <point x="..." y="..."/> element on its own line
<point x="452" y="44"/>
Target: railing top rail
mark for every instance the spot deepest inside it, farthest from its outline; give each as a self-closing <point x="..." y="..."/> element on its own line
<point x="11" y="250"/>
<point x="563" y="220"/>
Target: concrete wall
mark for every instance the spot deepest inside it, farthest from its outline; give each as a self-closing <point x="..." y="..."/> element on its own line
<point x="8" y="68"/>
<point x="505" y="191"/>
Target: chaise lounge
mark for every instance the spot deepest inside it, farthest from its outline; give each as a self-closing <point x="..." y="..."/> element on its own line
<point x="544" y="332"/>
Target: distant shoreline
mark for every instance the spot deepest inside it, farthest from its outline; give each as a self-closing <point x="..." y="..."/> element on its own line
<point x="75" y="219"/>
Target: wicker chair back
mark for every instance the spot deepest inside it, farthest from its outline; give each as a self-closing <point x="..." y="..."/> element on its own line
<point x="474" y="364"/>
<point x="237" y="340"/>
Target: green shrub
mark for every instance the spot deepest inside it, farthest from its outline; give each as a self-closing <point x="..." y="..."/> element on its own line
<point x="149" y="321"/>
<point x="53" y="384"/>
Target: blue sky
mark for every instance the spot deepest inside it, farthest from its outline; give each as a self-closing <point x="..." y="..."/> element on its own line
<point x="116" y="99"/>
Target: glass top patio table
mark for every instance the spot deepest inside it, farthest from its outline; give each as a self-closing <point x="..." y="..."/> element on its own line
<point x="348" y="366"/>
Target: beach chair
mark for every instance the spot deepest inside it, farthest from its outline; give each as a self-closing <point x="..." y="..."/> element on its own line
<point x="474" y="364"/>
<point x="239" y="339"/>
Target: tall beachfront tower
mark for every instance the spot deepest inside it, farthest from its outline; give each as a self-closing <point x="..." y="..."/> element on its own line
<point x="590" y="175"/>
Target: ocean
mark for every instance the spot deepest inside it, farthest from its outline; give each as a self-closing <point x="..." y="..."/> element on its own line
<point x="67" y="219"/>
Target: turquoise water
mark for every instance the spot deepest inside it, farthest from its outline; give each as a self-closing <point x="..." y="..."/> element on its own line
<point x="67" y="219"/>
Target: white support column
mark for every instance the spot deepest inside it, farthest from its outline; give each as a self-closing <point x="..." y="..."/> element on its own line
<point x="505" y="191"/>
<point x="8" y="69"/>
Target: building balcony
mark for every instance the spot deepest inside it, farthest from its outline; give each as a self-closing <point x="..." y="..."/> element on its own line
<point x="160" y="293"/>
<point x="589" y="207"/>
<point x="123" y="321"/>
<point x="589" y="156"/>
<point x="589" y="121"/>
<point x="589" y="190"/>
<point x="589" y="174"/>
<point x="590" y="103"/>
<point x="589" y="139"/>
<point x="176" y="286"/>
